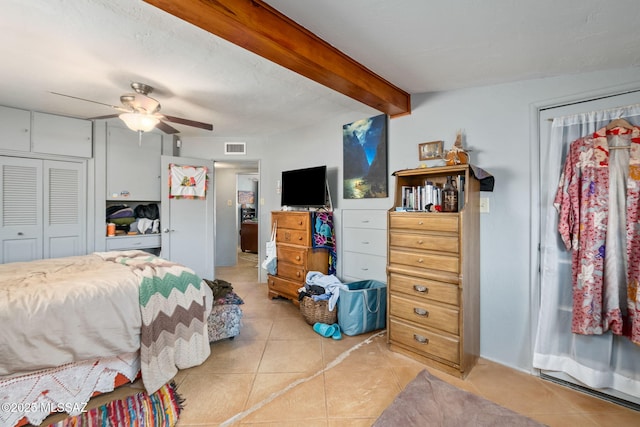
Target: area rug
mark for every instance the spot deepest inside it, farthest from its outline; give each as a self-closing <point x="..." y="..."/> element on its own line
<point x="160" y="409"/>
<point x="428" y="401"/>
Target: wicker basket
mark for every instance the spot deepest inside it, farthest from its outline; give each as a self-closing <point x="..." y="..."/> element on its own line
<point x="318" y="311"/>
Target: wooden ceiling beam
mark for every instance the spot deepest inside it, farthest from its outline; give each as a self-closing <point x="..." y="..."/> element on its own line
<point x="259" y="28"/>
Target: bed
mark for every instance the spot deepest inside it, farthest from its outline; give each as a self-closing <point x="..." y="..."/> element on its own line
<point x="73" y="327"/>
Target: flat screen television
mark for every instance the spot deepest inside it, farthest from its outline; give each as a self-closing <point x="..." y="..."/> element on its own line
<point x="304" y="187"/>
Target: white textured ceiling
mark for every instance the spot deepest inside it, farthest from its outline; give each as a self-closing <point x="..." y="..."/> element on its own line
<point x="95" y="48"/>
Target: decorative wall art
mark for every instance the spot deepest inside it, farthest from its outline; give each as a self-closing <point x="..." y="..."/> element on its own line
<point x="365" y="158"/>
<point x="431" y="150"/>
<point x="246" y="197"/>
<point x="187" y="182"/>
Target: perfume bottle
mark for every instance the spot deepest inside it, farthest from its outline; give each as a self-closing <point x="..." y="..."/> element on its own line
<point x="449" y="196"/>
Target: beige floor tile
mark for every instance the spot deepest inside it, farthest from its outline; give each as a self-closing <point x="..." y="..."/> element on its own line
<point x="292" y="356"/>
<point x="233" y="356"/>
<point x="359" y="394"/>
<point x="303" y="403"/>
<point x="213" y="398"/>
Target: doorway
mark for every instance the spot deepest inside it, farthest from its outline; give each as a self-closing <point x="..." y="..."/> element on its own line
<point x="237" y="189"/>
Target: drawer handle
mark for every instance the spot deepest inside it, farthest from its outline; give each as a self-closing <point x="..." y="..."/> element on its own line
<point x="420" y="261"/>
<point x="297" y="257"/>
<point x="420" y="223"/>
<point x="365" y="221"/>
<point x="20" y="233"/>
<point x="420" y="242"/>
<point x="364" y="269"/>
<point x="421" y="339"/>
<point x="299" y="237"/>
<point x="421" y="312"/>
<point x="298" y="274"/>
<point x="422" y="289"/>
<point x="299" y="222"/>
<point x="365" y="243"/>
<point x="136" y="243"/>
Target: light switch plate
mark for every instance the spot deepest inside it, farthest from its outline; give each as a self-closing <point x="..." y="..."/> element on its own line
<point x="484" y="205"/>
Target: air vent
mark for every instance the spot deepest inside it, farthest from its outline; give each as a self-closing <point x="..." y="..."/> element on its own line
<point x="235" y="148"/>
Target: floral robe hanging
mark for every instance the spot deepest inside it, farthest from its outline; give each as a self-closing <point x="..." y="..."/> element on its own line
<point x="584" y="209"/>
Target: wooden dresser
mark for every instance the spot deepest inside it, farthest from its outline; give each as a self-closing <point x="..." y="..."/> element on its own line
<point x="433" y="275"/>
<point x="296" y="256"/>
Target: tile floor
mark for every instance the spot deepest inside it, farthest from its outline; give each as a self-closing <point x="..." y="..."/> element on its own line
<point x="278" y="372"/>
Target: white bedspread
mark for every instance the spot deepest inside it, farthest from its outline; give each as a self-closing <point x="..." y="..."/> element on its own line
<point x="62" y="310"/>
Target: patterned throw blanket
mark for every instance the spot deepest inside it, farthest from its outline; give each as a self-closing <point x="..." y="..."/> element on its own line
<point x="175" y="304"/>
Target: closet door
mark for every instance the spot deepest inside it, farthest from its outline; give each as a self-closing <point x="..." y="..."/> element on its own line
<point x="64" y="209"/>
<point x="608" y="363"/>
<point x="21" y="210"/>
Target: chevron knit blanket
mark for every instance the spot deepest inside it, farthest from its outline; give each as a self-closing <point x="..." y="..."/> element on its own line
<point x="175" y="304"/>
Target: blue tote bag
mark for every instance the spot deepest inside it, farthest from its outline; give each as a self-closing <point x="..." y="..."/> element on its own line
<point x="363" y="307"/>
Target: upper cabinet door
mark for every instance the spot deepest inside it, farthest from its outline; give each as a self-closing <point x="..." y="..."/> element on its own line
<point x="65" y="136"/>
<point x="15" y="128"/>
<point x="133" y="167"/>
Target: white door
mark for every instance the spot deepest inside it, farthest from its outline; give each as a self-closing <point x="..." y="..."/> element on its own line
<point x="188" y="229"/>
<point x="21" y="209"/>
<point x="64" y="209"/>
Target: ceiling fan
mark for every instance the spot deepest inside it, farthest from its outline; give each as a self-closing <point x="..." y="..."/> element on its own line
<point x="141" y="113"/>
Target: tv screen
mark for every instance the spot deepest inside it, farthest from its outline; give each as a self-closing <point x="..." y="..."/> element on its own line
<point x="304" y="187"/>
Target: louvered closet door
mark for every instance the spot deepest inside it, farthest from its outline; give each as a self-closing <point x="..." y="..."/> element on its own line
<point x="21" y="211"/>
<point x="64" y="209"/>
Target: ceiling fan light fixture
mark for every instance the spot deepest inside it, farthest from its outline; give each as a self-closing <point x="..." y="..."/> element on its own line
<point x="139" y="122"/>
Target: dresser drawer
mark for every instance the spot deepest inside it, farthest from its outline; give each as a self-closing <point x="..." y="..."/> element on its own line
<point x="119" y="243"/>
<point x="425" y="313"/>
<point x="283" y="287"/>
<point x="367" y="241"/>
<point x="425" y="341"/>
<point x="431" y="260"/>
<point x="292" y="220"/>
<point x="364" y="266"/>
<point x="425" y="241"/>
<point x="292" y="254"/>
<point x="369" y="219"/>
<point x="292" y="271"/>
<point x="294" y="237"/>
<point x="424" y="222"/>
<point x="424" y="289"/>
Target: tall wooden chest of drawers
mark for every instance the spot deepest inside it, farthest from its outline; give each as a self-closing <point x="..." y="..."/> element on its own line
<point x="433" y="274"/>
<point x="295" y="252"/>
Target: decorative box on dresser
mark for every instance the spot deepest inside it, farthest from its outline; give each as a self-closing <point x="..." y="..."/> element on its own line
<point x="364" y="245"/>
<point x="434" y="275"/>
<point x="296" y="256"/>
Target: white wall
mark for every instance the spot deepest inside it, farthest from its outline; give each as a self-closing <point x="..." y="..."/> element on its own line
<point x="501" y="130"/>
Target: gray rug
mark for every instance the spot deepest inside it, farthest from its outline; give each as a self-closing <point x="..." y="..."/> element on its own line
<point x="428" y="401"/>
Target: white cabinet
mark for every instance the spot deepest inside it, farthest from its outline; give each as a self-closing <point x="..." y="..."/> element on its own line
<point x="42" y="209"/>
<point x="364" y="242"/>
<point x="15" y="126"/>
<point x="24" y="131"/>
<point x="65" y="136"/>
<point x="133" y="167"/>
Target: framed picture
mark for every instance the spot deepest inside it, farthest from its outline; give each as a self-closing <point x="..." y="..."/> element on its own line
<point x="431" y="150"/>
<point x="364" y="156"/>
<point x="245" y="197"/>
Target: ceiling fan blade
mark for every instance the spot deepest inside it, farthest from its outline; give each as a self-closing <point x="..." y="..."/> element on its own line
<point x="188" y="122"/>
<point x="119" y="108"/>
<point x="166" y="128"/>
<point x="109" y="116"/>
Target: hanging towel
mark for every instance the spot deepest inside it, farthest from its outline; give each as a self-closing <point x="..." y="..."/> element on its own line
<point x="323" y="236"/>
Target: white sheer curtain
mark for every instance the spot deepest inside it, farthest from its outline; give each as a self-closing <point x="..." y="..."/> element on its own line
<point x="598" y="361"/>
